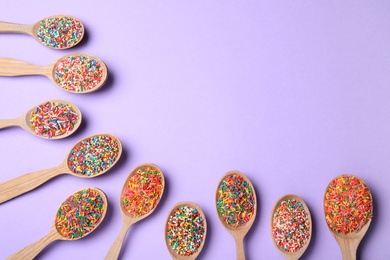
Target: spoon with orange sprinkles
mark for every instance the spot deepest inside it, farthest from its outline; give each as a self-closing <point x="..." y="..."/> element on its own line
<point x="141" y="193"/>
<point x="348" y="208"/>
<point x="78" y="216"/>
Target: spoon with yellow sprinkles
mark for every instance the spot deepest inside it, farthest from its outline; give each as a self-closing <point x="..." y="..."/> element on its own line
<point x="79" y="215"/>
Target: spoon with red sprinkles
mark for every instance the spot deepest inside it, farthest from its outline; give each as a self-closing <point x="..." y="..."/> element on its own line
<point x="78" y="216"/>
<point x="348" y="208"/>
<point x="90" y="157"/>
<point x="236" y="207"/>
<point x="77" y="73"/>
<point x="53" y="119"/>
<point x="141" y="193"/>
<point x="56" y="32"/>
<point x="291" y="226"/>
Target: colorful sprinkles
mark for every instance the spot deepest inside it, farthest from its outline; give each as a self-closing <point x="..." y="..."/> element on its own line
<point x="185" y="230"/>
<point x="142" y="191"/>
<point x="80" y="213"/>
<point x="290" y="225"/>
<point x="78" y="73"/>
<point x="347" y="204"/>
<point x="60" y="32"/>
<point x="94" y="155"/>
<point x="235" y="201"/>
<point x="53" y="119"/>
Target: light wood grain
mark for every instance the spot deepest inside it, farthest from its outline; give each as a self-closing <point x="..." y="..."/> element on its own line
<point x="16" y="28"/>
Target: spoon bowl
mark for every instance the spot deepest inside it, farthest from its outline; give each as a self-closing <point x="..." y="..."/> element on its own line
<point x="141" y="193"/>
<point x="53" y="119"/>
<point x="180" y="244"/>
<point x="90" y="157"/>
<point x="291" y="226"/>
<point x="236" y="193"/>
<point x="76" y="73"/>
<point x="91" y="202"/>
<point x="56" y="32"/>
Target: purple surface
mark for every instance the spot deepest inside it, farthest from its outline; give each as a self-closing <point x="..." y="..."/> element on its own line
<point x="290" y="93"/>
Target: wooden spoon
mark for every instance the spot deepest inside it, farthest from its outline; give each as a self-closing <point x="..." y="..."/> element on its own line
<point x="299" y="252"/>
<point x="239" y="230"/>
<point x="24" y="121"/>
<point x="82" y="161"/>
<point x="349" y="240"/>
<point x="77" y="73"/>
<point x="171" y="229"/>
<point x="93" y="205"/>
<point x="134" y="206"/>
<point x="56" y="32"/>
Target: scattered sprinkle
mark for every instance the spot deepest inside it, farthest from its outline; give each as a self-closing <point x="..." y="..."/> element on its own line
<point x="80" y="214"/>
<point x="290" y="225"/>
<point x="94" y="155"/>
<point x="185" y="230"/>
<point x="347" y="204"/>
<point x="235" y="201"/>
<point x="60" y="32"/>
<point x="78" y="73"/>
<point x="53" y="119"/>
<point x="142" y="191"/>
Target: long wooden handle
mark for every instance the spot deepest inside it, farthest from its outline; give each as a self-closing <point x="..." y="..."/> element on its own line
<point x="15" y="28"/>
<point x="348" y="248"/>
<point x="113" y="253"/>
<point x="27" y="182"/>
<point x="12" y="67"/>
<point x="240" y="252"/>
<point x="31" y="251"/>
<point x="4" y="123"/>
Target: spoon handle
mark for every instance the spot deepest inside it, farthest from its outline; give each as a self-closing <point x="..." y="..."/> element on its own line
<point x="240" y="252"/>
<point x="4" y="123"/>
<point x="31" y="251"/>
<point x="12" y="67"/>
<point x="115" y="249"/>
<point x="348" y="248"/>
<point x="15" y="28"/>
<point x="27" y="182"/>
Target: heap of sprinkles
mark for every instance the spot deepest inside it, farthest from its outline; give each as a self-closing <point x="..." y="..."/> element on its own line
<point x="53" y="119"/>
<point x="142" y="191"/>
<point x="80" y="214"/>
<point x="185" y="230"/>
<point x="94" y="155"/>
<point x="347" y="204"/>
<point x="235" y="201"/>
<point x="60" y="32"/>
<point x="290" y="226"/>
<point x="78" y="73"/>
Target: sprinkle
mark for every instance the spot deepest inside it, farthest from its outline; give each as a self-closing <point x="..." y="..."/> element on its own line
<point x="60" y="32"/>
<point x="185" y="230"/>
<point x="142" y="191"/>
<point x="78" y="73"/>
<point x="94" y="155"/>
<point x="347" y="204"/>
<point x="290" y="226"/>
<point x="235" y="201"/>
<point x="80" y="213"/>
<point x="53" y="119"/>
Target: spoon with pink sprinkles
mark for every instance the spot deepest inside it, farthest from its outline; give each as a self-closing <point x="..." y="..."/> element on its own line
<point x="54" y="119"/>
<point x="56" y="32"/>
<point x="77" y="73"/>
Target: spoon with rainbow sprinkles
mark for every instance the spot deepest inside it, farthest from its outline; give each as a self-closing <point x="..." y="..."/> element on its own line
<point x="78" y="216"/>
<point x="77" y="73"/>
<point x="141" y="193"/>
<point x="291" y="226"/>
<point x="56" y="32"/>
<point x="236" y="207"/>
<point x="348" y="208"/>
<point x="185" y="231"/>
<point x="53" y="119"/>
<point x="90" y="157"/>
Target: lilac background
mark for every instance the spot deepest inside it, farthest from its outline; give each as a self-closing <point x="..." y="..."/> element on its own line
<point x="290" y="93"/>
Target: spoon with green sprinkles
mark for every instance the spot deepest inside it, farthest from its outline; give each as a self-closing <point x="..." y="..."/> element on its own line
<point x="90" y="157"/>
<point x="77" y="73"/>
<point x="56" y="32"/>
<point x="78" y="216"/>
